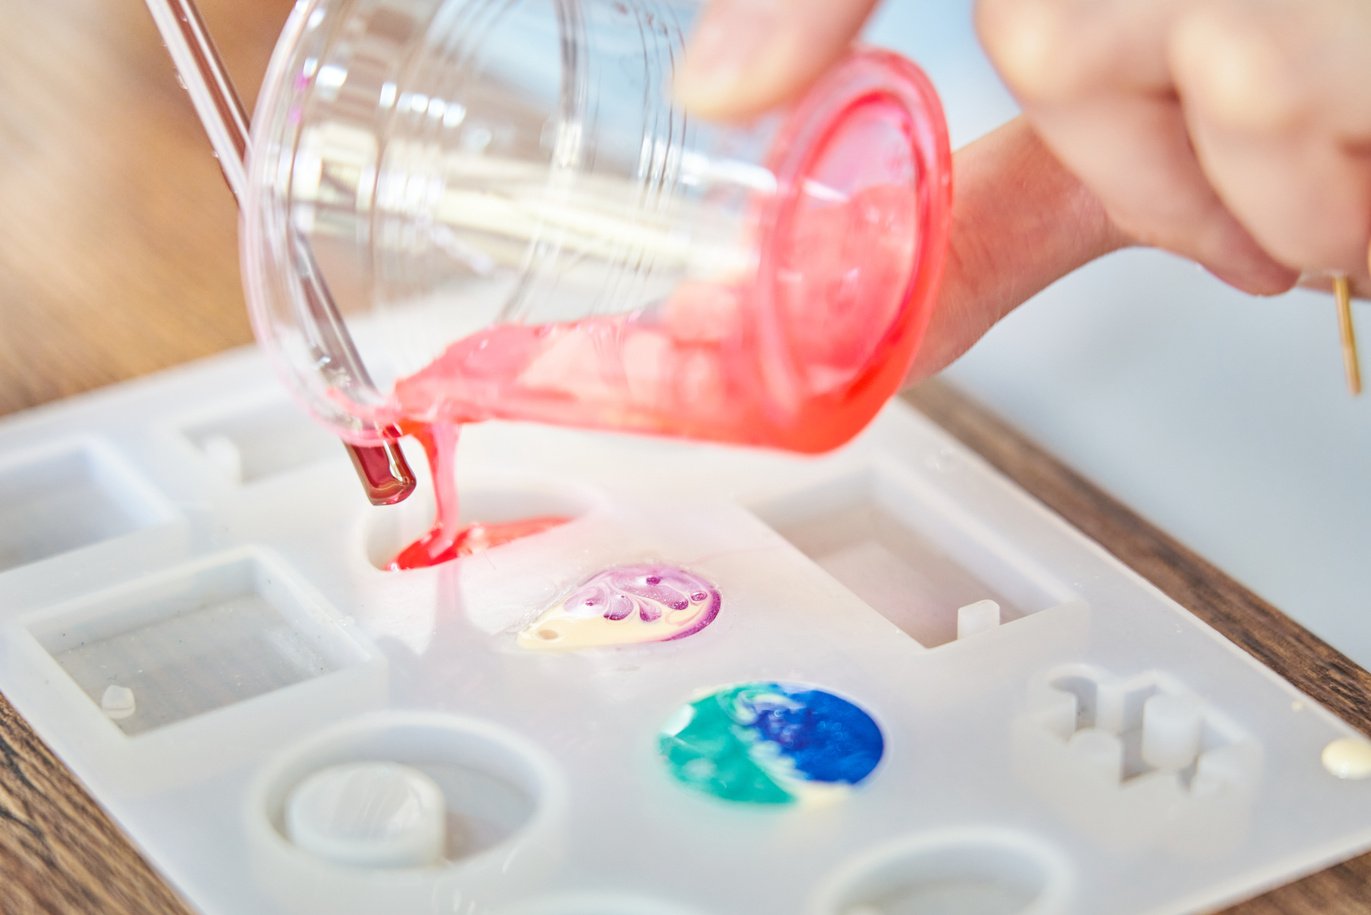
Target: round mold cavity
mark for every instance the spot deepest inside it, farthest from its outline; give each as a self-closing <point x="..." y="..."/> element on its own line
<point x="771" y="744"/>
<point x="499" y="794"/>
<point x="385" y="533"/>
<point x="983" y="872"/>
<point x="599" y="904"/>
<point x="369" y="814"/>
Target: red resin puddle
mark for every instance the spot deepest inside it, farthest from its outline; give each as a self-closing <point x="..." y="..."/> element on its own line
<point x="448" y="539"/>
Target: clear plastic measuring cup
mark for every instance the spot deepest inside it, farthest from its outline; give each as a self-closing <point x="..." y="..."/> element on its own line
<point x="515" y="220"/>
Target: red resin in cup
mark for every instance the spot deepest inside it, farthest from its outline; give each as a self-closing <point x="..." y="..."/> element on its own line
<point x="562" y="245"/>
<point x="800" y="357"/>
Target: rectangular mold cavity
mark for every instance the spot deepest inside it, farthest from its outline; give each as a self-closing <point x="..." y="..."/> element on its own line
<point x="193" y="642"/>
<point x="62" y="499"/>
<point x="260" y="441"/>
<point x="907" y="557"/>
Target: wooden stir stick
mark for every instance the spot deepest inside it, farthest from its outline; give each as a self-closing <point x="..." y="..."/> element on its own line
<point x="1342" y="294"/>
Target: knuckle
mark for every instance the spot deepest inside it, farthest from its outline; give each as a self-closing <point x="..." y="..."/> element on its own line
<point x="1240" y="71"/>
<point x="1030" y="44"/>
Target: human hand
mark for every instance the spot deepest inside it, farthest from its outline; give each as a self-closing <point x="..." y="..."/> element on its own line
<point x="1234" y="132"/>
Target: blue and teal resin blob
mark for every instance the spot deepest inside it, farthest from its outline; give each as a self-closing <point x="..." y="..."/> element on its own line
<point x="771" y="743"/>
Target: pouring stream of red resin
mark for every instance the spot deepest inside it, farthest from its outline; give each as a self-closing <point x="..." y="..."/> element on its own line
<point x="449" y="539"/>
<point x="804" y="369"/>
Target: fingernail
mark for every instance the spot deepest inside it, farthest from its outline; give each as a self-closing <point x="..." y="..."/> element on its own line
<point x="727" y="44"/>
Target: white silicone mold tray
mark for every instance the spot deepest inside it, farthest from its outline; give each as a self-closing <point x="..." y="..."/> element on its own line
<point x="193" y="615"/>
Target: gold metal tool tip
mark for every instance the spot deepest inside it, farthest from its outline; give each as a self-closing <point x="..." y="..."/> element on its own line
<point x="1342" y="292"/>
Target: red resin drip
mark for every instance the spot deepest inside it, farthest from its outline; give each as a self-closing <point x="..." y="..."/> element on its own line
<point x="448" y="539"/>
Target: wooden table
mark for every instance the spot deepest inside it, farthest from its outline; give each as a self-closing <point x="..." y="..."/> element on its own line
<point x="118" y="257"/>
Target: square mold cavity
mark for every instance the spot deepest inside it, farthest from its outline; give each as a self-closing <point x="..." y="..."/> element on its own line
<point x="62" y="499"/>
<point x="908" y="556"/>
<point x="196" y="641"/>
<point x="261" y="440"/>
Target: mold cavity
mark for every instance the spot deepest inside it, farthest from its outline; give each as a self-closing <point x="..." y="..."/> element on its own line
<point x="1133" y="728"/>
<point x="908" y="558"/>
<point x="177" y="647"/>
<point x="58" y="501"/>
<point x="973" y="876"/>
<point x="1083" y="687"/>
<point x="251" y="444"/>
<point x="482" y="787"/>
<point x="389" y="530"/>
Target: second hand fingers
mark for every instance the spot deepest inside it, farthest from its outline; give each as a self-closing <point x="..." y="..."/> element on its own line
<point x="1134" y="152"/>
<point x="1010" y="188"/>
<point x="1093" y="76"/>
<point x="1272" y="94"/>
<point x="1305" y="199"/>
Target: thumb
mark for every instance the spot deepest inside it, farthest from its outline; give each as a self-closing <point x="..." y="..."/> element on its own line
<point x="1020" y="221"/>
<point x="749" y="55"/>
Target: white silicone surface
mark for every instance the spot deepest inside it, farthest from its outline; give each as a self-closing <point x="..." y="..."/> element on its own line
<point x="220" y="633"/>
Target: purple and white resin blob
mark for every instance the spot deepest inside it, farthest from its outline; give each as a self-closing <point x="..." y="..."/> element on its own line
<point x="626" y="605"/>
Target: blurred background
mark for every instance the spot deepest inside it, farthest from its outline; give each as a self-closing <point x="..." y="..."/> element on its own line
<point x="1221" y="418"/>
<point x="105" y="165"/>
